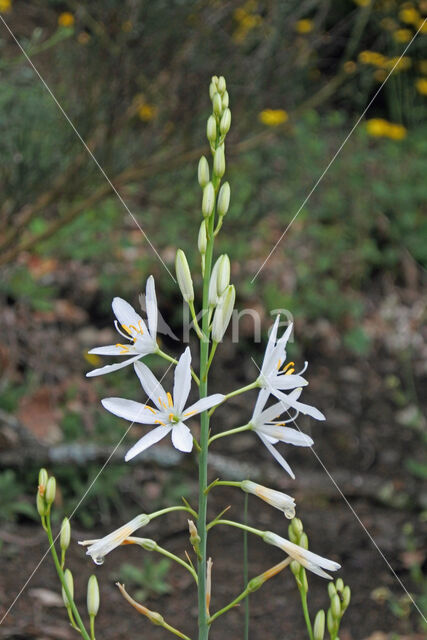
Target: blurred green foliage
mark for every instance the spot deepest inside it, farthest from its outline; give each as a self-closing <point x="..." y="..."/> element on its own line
<point x="150" y="580"/>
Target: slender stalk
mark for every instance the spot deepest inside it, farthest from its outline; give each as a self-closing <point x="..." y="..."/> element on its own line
<point x="162" y="512"/>
<point x="245" y="566"/>
<point x="92" y="627"/>
<point x="168" y="554"/>
<point x="169" y="358"/>
<point x="230" y="432"/>
<point x="229" y="606"/>
<point x="60" y="573"/>
<point x="248" y="387"/>
<point x="303" y="594"/>
<point x="239" y="525"/>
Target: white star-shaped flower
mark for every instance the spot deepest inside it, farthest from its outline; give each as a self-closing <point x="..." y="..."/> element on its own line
<point x="142" y="338"/>
<point x="271" y="432"/>
<point x="170" y="413"/>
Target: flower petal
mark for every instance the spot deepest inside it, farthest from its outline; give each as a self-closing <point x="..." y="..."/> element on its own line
<point x="270" y="414"/>
<point x="130" y="410"/>
<point x="182" y="381"/>
<point x="286" y="434"/>
<point x="203" y="404"/>
<point x="260" y="404"/>
<point x="126" y="314"/>
<point x="151" y="304"/>
<point x="290" y="400"/>
<point x="288" y="382"/>
<point x="114" y="350"/>
<point x="181" y="437"/>
<point x="112" y="367"/>
<point x="280" y="459"/>
<point x="147" y="441"/>
<point x="151" y="385"/>
<point x="271" y="343"/>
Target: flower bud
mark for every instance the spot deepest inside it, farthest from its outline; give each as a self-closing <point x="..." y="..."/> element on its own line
<point x="211" y="129"/>
<point x="331" y="589"/>
<point x="148" y="544"/>
<point x="303" y="540"/>
<point x="213" y="284"/>
<point x="319" y="625"/>
<point x="202" y="240"/>
<point x="208" y="201"/>
<point x="43" y="478"/>
<point x="221" y="84"/>
<point x="297" y="527"/>
<point x="225" y="123"/>
<point x="225" y="100"/>
<point x="214" y="80"/>
<point x="223" y="199"/>
<point x="64" y="540"/>
<point x="212" y="90"/>
<point x="223" y="278"/>
<point x="92" y="596"/>
<point x="217" y="104"/>
<point x="339" y="584"/>
<point x="194" y="537"/>
<point x="295" y="567"/>
<point x="219" y="161"/>
<point x="42" y="508"/>
<point x="203" y="172"/>
<point x="336" y="606"/>
<point x="254" y="584"/>
<point x="330" y="622"/>
<point x="346" y="596"/>
<point x="223" y="313"/>
<point x="68" y="577"/>
<point x="50" y="490"/>
<point x="183" y="276"/>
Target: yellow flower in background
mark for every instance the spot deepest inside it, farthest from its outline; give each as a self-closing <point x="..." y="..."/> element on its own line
<point x="422" y="26"/>
<point x="273" y="117"/>
<point x="401" y="63"/>
<point x="380" y="128"/>
<point x="362" y="3"/>
<point x="421" y="86"/>
<point x="409" y="15"/>
<point x="402" y="35"/>
<point x="127" y="26"/>
<point x="147" y="112"/>
<point x="372" y="57"/>
<point x="247" y="19"/>
<point x="5" y="6"/>
<point x="422" y="65"/>
<point x="304" y="26"/>
<point x="66" y="19"/>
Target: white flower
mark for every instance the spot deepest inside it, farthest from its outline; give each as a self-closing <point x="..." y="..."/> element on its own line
<point x="270" y="432"/>
<point x="98" y="549"/>
<point x="170" y="414"/>
<point x="143" y="339"/>
<point x="307" y="559"/>
<point x="277" y="499"/>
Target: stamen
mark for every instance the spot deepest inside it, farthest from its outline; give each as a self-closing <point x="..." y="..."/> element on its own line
<point x="303" y="369"/>
<point x="188" y="414"/>
<point x="127" y="329"/>
<point x="171" y="417"/>
<point x="125" y="335"/>
<point x="279" y="365"/>
<point x="141" y="330"/>
<point x="150" y="408"/>
<point x="162" y="402"/>
<point x="159" y="422"/>
<point x="288" y="369"/>
<point x="170" y="399"/>
<point x="125" y="347"/>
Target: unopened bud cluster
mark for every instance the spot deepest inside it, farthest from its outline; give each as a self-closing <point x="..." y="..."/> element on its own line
<point x="46" y="492"/>
<point x="340" y="596"/>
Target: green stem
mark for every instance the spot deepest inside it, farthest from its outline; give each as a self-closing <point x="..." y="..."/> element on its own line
<point x="196" y="324"/>
<point x="165" y="356"/>
<point x="168" y="627"/>
<point x="223" y="483"/>
<point x="230" y="432"/>
<point x="211" y="355"/>
<point x="248" y="387"/>
<point x="168" y="554"/>
<point x="229" y="606"/>
<point x="92" y="627"/>
<point x="63" y="582"/>
<point x="239" y="525"/>
<point x="246" y="566"/>
<point x="303" y="594"/>
<point x="162" y="512"/>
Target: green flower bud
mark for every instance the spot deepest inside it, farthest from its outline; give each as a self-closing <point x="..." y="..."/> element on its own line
<point x="208" y="201"/>
<point x="92" y="596"/>
<point x="223" y="278"/>
<point x="214" y="80"/>
<point x="304" y="580"/>
<point x="156" y="618"/>
<point x="225" y="123"/>
<point x="43" y="478"/>
<point x="303" y="540"/>
<point x="346" y="596"/>
<point x="183" y="275"/>
<point x="292" y="535"/>
<point x="50" y="490"/>
<point x="223" y="314"/>
<point x="319" y="625"/>
<point x="330" y="622"/>
<point x="211" y="129"/>
<point x="68" y="578"/>
<point x="331" y="589"/>
<point x="222" y="85"/>
<point x="295" y="567"/>
<point x="339" y="584"/>
<point x="219" y="161"/>
<point x="213" y="284"/>
<point x="148" y="545"/>
<point x="336" y="606"/>
<point x="203" y="172"/>
<point x="223" y="199"/>
<point x="255" y="584"/>
<point x="217" y="104"/>
<point x="42" y="508"/>
<point x="225" y="100"/>
<point x="212" y="90"/>
<point x="202" y="240"/>
<point x="64" y="540"/>
<point x="297" y="527"/>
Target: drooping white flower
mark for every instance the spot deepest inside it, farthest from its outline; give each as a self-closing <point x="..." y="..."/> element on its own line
<point x="270" y="432"/>
<point x="307" y="559"/>
<point x="276" y="499"/>
<point x="170" y="412"/>
<point x="142" y="338"/>
<point x="98" y="549"/>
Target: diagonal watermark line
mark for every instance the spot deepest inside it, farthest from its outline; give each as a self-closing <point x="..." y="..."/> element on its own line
<point x="336" y="154"/>
<point x="286" y="410"/>
<point x="73" y="512"/>
<point x="70" y="122"/>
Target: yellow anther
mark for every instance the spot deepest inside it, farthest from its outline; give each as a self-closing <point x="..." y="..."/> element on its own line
<point x="150" y="408"/>
<point x="171" y="417"/>
<point x="189" y="413"/>
<point x="159" y="422"/>
<point x="288" y="369"/>
<point x="125" y="348"/>
<point x="279" y="365"/>
<point x="127" y="329"/>
<point x="170" y="399"/>
<point x="141" y="330"/>
<point x="162" y="403"/>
